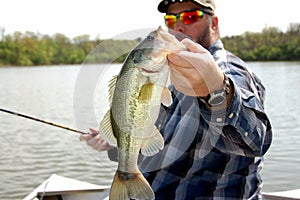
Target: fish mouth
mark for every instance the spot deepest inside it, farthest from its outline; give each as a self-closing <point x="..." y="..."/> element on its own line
<point x="149" y="71"/>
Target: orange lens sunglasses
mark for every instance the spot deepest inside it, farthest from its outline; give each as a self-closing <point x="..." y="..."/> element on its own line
<point x="186" y="17"/>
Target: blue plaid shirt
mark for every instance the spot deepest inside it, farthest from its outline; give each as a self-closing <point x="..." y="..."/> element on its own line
<point x="212" y="154"/>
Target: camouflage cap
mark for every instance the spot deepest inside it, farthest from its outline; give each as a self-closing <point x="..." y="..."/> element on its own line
<point x="164" y="4"/>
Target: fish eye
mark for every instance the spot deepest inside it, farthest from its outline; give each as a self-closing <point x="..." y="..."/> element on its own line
<point x="150" y="37"/>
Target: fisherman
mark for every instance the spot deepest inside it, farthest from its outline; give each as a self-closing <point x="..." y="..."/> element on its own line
<point x="216" y="131"/>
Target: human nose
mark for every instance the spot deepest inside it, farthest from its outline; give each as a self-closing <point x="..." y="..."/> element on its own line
<point x="178" y="27"/>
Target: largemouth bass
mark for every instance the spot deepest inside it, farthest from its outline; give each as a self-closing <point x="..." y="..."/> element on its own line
<point x="135" y="97"/>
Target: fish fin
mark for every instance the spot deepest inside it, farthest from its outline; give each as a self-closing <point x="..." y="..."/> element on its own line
<point x="130" y="186"/>
<point x="112" y="87"/>
<point x="106" y="129"/>
<point x="166" y="97"/>
<point x="153" y="144"/>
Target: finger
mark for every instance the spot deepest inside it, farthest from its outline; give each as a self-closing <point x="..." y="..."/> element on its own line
<point x="94" y="131"/>
<point x="93" y="141"/>
<point x="101" y="146"/>
<point x="193" y="46"/>
<point x="188" y="71"/>
<point x="178" y="60"/>
<point x="85" y="137"/>
<point x="180" y="82"/>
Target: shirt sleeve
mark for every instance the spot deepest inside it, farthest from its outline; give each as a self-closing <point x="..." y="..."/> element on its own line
<point x="243" y="128"/>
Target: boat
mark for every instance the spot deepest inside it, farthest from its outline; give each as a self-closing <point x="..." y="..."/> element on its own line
<point x="284" y="195"/>
<point x="62" y="188"/>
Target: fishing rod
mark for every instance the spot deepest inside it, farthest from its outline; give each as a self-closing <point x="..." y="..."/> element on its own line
<point x="44" y="121"/>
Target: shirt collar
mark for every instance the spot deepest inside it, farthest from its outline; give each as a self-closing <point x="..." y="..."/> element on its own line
<point x="218" y="45"/>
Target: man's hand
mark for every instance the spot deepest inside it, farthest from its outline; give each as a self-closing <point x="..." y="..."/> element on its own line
<point x="195" y="72"/>
<point x="96" y="142"/>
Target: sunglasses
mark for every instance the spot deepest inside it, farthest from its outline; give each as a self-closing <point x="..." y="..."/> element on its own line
<point x="186" y="17"/>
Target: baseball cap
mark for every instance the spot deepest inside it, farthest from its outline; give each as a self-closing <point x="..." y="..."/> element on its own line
<point x="164" y="4"/>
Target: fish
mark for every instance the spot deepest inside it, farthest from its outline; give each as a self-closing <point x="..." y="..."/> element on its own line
<point x="135" y="97"/>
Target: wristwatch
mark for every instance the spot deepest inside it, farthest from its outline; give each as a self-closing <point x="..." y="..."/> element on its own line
<point x="217" y="97"/>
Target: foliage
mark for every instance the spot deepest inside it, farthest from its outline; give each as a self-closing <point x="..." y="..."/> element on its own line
<point x="28" y="49"/>
<point x="269" y="45"/>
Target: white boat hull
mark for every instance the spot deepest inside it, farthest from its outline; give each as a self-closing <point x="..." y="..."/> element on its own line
<point x="59" y="187"/>
<point x="284" y="195"/>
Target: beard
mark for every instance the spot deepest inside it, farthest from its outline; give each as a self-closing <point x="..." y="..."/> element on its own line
<point x="204" y="38"/>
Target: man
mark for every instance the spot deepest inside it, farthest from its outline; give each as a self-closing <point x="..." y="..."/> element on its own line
<point x="216" y="131"/>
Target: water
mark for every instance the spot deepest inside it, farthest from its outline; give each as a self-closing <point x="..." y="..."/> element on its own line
<point x="31" y="151"/>
<point x="69" y="95"/>
<point x="282" y="104"/>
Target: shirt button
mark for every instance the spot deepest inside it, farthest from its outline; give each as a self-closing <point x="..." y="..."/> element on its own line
<point x="231" y="115"/>
<point x="219" y="119"/>
<point x="246" y="134"/>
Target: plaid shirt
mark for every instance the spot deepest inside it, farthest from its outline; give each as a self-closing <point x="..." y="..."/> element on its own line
<point x="212" y="154"/>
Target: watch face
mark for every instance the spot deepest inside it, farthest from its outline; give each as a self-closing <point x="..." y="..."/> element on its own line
<point x="217" y="99"/>
<point x="219" y="96"/>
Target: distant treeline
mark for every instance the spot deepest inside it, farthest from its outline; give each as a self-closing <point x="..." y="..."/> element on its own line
<point x="28" y="49"/>
<point x="270" y="45"/>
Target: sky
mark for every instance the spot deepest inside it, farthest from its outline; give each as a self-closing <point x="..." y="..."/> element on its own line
<point x="112" y="18"/>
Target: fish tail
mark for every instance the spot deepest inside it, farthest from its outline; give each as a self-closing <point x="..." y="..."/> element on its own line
<point x="130" y="185"/>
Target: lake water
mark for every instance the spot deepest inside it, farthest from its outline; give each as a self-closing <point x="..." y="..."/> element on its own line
<point x="75" y="96"/>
